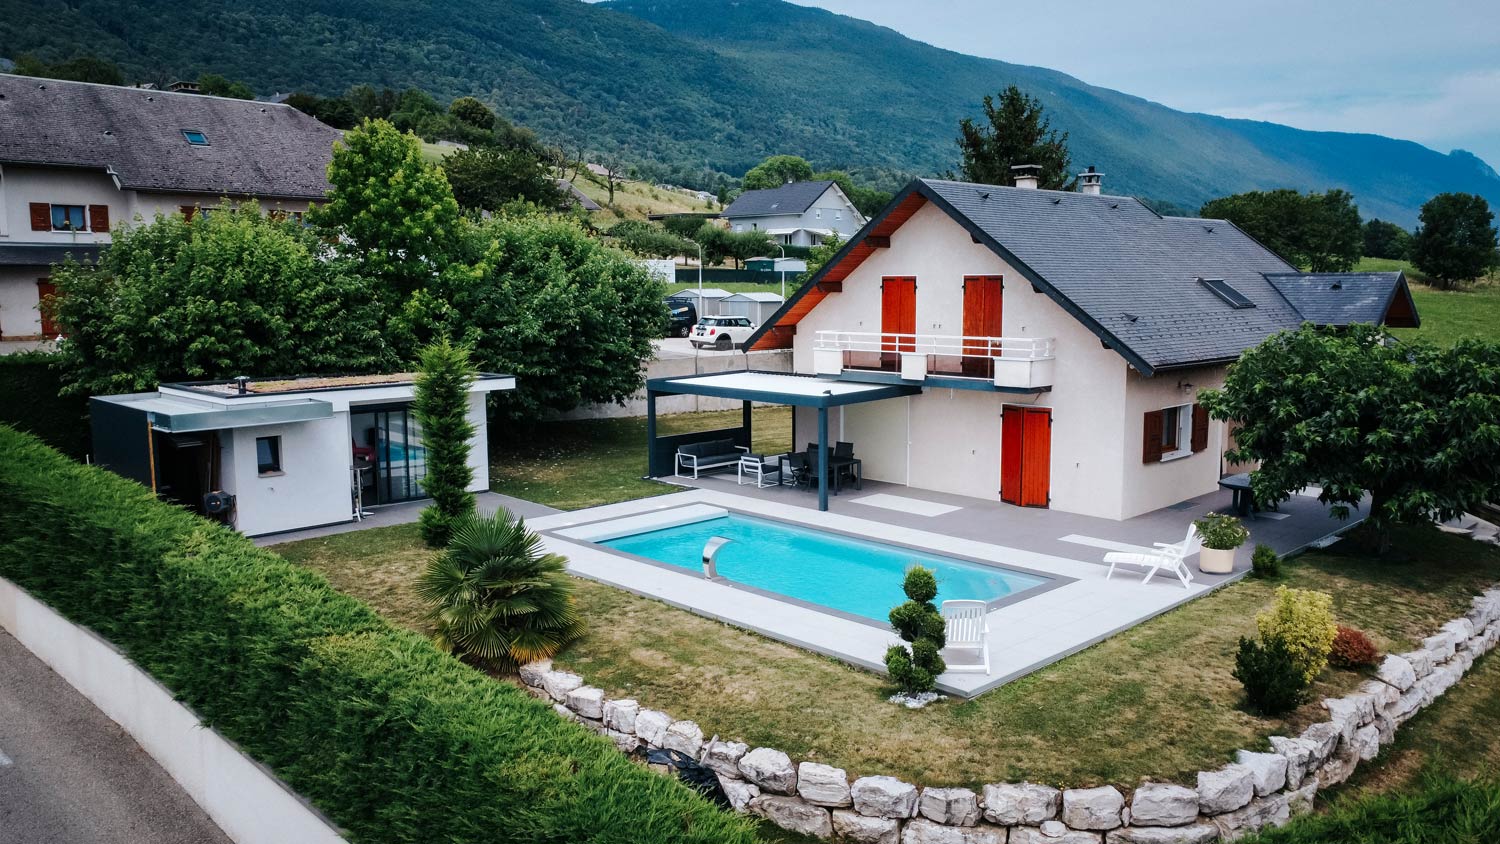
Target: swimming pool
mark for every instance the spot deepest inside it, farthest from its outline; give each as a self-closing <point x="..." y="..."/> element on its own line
<point x="842" y="573"/>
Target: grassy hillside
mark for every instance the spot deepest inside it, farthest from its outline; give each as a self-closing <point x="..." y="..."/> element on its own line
<point x="717" y="85"/>
<point x="1447" y="315"/>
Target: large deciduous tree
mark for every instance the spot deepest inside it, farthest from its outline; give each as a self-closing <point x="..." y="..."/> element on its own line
<point x="487" y="178"/>
<point x="1386" y="240"/>
<point x="1414" y="425"/>
<point x="224" y="295"/>
<point x="1015" y="130"/>
<point x="395" y="211"/>
<point x="538" y="298"/>
<point x="1320" y="232"/>
<point x="441" y="405"/>
<point x="777" y="171"/>
<point x="1456" y="242"/>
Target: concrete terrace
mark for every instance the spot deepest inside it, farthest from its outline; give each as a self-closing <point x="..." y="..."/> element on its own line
<point x="1028" y="634"/>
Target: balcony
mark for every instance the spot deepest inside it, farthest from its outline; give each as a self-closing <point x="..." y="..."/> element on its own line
<point x="1008" y="363"/>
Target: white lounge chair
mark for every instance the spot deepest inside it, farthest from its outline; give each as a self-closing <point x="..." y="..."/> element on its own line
<point x="1172" y="557"/>
<point x="968" y="629"/>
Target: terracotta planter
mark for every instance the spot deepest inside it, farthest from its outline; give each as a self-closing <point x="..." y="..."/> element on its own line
<point x="1216" y="561"/>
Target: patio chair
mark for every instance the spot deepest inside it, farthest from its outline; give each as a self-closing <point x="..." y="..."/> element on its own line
<point x="759" y="469"/>
<point x="967" y="629"/>
<point x="844" y="451"/>
<point x="798" y="471"/>
<point x="1172" y="557"/>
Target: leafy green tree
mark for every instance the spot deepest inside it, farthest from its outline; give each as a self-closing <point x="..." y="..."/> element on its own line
<point x="498" y="597"/>
<point x="820" y="255"/>
<point x="684" y="225"/>
<point x="87" y="68"/>
<point x="444" y="375"/>
<point x="335" y="111"/>
<point x="1317" y="231"/>
<point x="395" y="211"/>
<point x="217" y="86"/>
<point x="487" y="178"/>
<point x="869" y="201"/>
<point x="777" y="171"/>
<point x="1386" y="240"/>
<point x="473" y="112"/>
<point x="1456" y="241"/>
<point x="224" y="295"/>
<point x="751" y="243"/>
<point x="1415" y="426"/>
<point x="715" y="241"/>
<point x="539" y="298"/>
<point x="650" y="241"/>
<point x="1014" y="131"/>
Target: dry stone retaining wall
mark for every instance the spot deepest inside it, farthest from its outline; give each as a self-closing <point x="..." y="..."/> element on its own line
<point x="1258" y="789"/>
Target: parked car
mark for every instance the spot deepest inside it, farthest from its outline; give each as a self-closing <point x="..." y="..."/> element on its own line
<point x="683" y="317"/>
<point x="722" y="332"/>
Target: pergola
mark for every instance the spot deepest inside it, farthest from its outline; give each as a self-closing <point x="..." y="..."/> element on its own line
<point x="766" y="388"/>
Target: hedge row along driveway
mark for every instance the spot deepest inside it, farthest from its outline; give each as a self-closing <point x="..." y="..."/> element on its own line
<point x="393" y="740"/>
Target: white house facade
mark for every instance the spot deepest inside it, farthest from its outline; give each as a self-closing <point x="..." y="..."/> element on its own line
<point x="1059" y="341"/>
<point x="279" y="455"/>
<point x="79" y="159"/>
<point x="796" y="214"/>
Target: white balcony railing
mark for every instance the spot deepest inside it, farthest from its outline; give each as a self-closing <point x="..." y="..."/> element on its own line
<point x="1012" y="362"/>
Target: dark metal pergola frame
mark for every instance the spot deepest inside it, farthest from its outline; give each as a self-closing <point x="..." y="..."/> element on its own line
<point x="662" y="450"/>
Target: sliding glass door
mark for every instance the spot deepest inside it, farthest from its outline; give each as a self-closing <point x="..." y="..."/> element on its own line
<point x="391" y="438"/>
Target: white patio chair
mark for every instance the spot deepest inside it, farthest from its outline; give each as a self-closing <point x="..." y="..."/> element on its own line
<point x="968" y="629"/>
<point x="759" y="470"/>
<point x="1172" y="557"/>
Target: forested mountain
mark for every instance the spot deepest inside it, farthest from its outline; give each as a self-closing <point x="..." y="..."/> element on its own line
<point x="719" y="84"/>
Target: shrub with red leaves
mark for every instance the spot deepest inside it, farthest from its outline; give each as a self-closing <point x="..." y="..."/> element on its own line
<point x="1352" y="649"/>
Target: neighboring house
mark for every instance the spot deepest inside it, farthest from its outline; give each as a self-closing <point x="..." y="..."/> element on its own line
<point x="288" y="453"/>
<point x="78" y="158"/>
<point x="1052" y="345"/>
<point x="573" y="196"/>
<point x="797" y="213"/>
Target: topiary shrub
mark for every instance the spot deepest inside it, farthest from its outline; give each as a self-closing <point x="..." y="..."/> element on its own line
<point x="442" y="409"/>
<point x="1352" y="650"/>
<point x="1303" y="620"/>
<point x="917" y="621"/>
<point x="1265" y="563"/>
<point x="1274" y="682"/>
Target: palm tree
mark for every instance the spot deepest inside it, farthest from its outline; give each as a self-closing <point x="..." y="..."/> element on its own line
<point x="497" y="596"/>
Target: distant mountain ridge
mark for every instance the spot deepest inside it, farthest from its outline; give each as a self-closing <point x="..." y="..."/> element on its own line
<point x="720" y="84"/>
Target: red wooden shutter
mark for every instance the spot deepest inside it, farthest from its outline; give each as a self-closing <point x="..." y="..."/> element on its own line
<point x="898" y="313"/>
<point x="1010" y="454"/>
<point x="188" y="211"/>
<point x="45" y="291"/>
<point x="1151" y="443"/>
<point x="982" y="318"/>
<point x="1200" y="428"/>
<point x="41" y="217"/>
<point x="1036" y="471"/>
<point x="99" y="218"/>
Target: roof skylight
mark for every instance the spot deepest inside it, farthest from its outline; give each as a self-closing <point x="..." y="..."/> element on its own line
<point x="195" y="137"/>
<point x="1221" y="288"/>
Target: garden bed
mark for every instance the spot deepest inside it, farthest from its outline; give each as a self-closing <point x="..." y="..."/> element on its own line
<point x="1154" y="702"/>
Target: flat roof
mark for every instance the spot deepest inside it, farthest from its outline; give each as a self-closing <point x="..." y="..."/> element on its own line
<point x="780" y="388"/>
<point x="308" y="384"/>
<point x="177" y="415"/>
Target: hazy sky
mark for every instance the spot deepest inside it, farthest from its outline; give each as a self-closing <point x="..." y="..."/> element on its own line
<point x="1425" y="70"/>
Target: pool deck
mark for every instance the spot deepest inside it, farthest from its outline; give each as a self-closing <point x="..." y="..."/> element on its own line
<point x="1024" y="636"/>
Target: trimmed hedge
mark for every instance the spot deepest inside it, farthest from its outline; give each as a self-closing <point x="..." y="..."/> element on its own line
<point x="29" y="401"/>
<point x="395" y="741"/>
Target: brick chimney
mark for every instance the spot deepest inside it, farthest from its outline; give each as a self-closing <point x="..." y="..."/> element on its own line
<point x="1027" y="176"/>
<point x="1090" y="182"/>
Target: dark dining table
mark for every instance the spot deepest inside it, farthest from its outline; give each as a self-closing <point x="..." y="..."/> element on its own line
<point x="835" y="467"/>
<point x="1239" y="487"/>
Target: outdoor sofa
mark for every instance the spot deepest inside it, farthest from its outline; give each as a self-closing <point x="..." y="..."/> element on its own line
<point x="712" y="454"/>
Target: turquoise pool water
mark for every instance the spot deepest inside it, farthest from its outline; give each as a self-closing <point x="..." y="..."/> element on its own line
<point x="855" y="576"/>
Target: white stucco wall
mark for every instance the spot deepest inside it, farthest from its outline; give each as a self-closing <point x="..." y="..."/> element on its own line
<point x="1156" y="485"/>
<point x="312" y="487"/>
<point x="955" y="434"/>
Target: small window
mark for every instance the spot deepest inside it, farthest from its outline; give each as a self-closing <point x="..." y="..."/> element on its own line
<point x="818" y="213"/>
<point x="268" y="455"/>
<point x="1220" y="288"/>
<point x="195" y="137"/>
<point x="838" y="215"/>
<point x="1171" y="428"/>
<point x="68" y="218"/>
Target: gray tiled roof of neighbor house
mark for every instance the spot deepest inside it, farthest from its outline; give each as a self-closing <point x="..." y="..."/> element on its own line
<point x="1134" y="273"/>
<point x="1339" y="298"/>
<point x="253" y="148"/>
<point x="793" y="198"/>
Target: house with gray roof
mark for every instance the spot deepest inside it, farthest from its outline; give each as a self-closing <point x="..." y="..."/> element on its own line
<point x="77" y="159"/>
<point x="1051" y="345"/>
<point x="796" y="213"/>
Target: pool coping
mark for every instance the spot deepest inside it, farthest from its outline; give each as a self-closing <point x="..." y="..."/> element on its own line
<point x="1049" y="581"/>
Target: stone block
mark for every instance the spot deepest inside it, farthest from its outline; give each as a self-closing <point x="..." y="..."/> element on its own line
<point x="1092" y="808"/>
<point x="620" y="715"/>
<point x="1440" y="645"/>
<point x="1299" y="757"/>
<point x="950" y="806"/>
<point x="923" y="831"/>
<point x="1367" y="742"/>
<point x="884" y="797"/>
<point x="1034" y="835"/>
<point x="1300" y="801"/>
<point x="1421" y="662"/>
<point x="794" y="815"/>
<point x="1261" y="813"/>
<point x="770" y="769"/>
<point x="559" y="683"/>
<point x="1268" y="769"/>
<point x="1225" y="790"/>
<point x="684" y="737"/>
<point x="587" y="701"/>
<point x="1021" y="803"/>
<point x="823" y="785"/>
<point x="1325" y="738"/>
<point x="1383" y="694"/>
<point x="651" y="725"/>
<point x="1397" y="672"/>
<point x="1202" y="832"/>
<point x="1163" y="804"/>
<point x="724" y="756"/>
<point x="857" y="829"/>
<point x="739" y="792"/>
<point x="1339" y="766"/>
<point x="624" y="742"/>
<point x="533" y="672"/>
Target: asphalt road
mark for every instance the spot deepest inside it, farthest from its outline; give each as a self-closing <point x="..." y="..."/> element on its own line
<point x="69" y="775"/>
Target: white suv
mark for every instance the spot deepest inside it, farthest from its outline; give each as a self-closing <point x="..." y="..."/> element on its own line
<point x="721" y="332"/>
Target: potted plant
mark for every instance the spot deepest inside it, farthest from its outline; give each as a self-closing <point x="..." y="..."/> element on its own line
<point x="1222" y="535"/>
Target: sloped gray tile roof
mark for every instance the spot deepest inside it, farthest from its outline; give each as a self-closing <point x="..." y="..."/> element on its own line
<point x="1338" y="298"/>
<point x="792" y="198"/>
<point x="254" y="148"/>
<point x="1133" y="273"/>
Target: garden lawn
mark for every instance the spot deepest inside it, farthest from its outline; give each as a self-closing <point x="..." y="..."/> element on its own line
<point x="573" y="465"/>
<point x="1447" y="315"/>
<point x="1155" y="702"/>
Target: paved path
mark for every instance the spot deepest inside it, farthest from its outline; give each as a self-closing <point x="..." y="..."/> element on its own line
<point x="406" y="513"/>
<point x="69" y="775"/>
